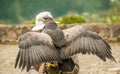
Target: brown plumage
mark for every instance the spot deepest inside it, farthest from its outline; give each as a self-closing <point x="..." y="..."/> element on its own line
<point x="81" y="40"/>
<point x="54" y="44"/>
<point x="35" y="48"/>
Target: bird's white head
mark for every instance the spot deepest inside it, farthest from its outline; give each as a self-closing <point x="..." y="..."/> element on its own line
<point x="39" y="25"/>
<point x="44" y="14"/>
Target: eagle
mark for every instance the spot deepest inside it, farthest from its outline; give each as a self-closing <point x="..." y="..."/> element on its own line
<point x="55" y="45"/>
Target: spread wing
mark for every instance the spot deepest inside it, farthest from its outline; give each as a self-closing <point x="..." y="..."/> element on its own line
<point x="35" y="48"/>
<point x="82" y="40"/>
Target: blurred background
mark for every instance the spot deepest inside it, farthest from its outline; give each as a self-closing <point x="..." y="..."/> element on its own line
<point x="18" y="17"/>
<point x="24" y="11"/>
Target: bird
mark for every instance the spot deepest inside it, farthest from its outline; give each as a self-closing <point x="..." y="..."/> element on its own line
<point x="55" y="45"/>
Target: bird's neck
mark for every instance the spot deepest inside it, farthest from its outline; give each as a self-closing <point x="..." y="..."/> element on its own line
<point x="50" y="25"/>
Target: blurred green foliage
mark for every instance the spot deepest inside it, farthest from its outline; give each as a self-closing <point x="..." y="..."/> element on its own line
<point x="20" y="11"/>
<point x="66" y="19"/>
<point x="71" y="19"/>
<point x="30" y="22"/>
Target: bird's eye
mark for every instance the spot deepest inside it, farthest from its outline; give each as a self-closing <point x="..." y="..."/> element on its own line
<point x="41" y="19"/>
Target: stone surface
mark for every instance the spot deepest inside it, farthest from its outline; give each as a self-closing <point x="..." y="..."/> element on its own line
<point x="89" y="64"/>
<point x="10" y="34"/>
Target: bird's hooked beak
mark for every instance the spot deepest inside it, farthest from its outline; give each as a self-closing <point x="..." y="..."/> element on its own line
<point x="39" y="24"/>
<point x="41" y="19"/>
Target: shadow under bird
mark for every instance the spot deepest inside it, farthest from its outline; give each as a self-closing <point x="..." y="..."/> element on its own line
<point x="54" y="44"/>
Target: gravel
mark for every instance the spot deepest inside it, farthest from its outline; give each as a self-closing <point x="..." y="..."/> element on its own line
<point x="89" y="64"/>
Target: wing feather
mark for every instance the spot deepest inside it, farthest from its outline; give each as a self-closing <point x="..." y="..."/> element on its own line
<point x="17" y="59"/>
<point x="35" y="48"/>
<point x="82" y="40"/>
<point x="28" y="60"/>
<point x="25" y="55"/>
<point x="21" y="58"/>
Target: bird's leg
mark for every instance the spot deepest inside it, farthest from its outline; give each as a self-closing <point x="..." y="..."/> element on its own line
<point x="42" y="67"/>
<point x="76" y="69"/>
<point x="33" y="70"/>
<point x="75" y="58"/>
<point x="38" y="69"/>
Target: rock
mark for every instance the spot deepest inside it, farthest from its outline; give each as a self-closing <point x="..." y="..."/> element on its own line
<point x="116" y="30"/>
<point x="96" y="28"/>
